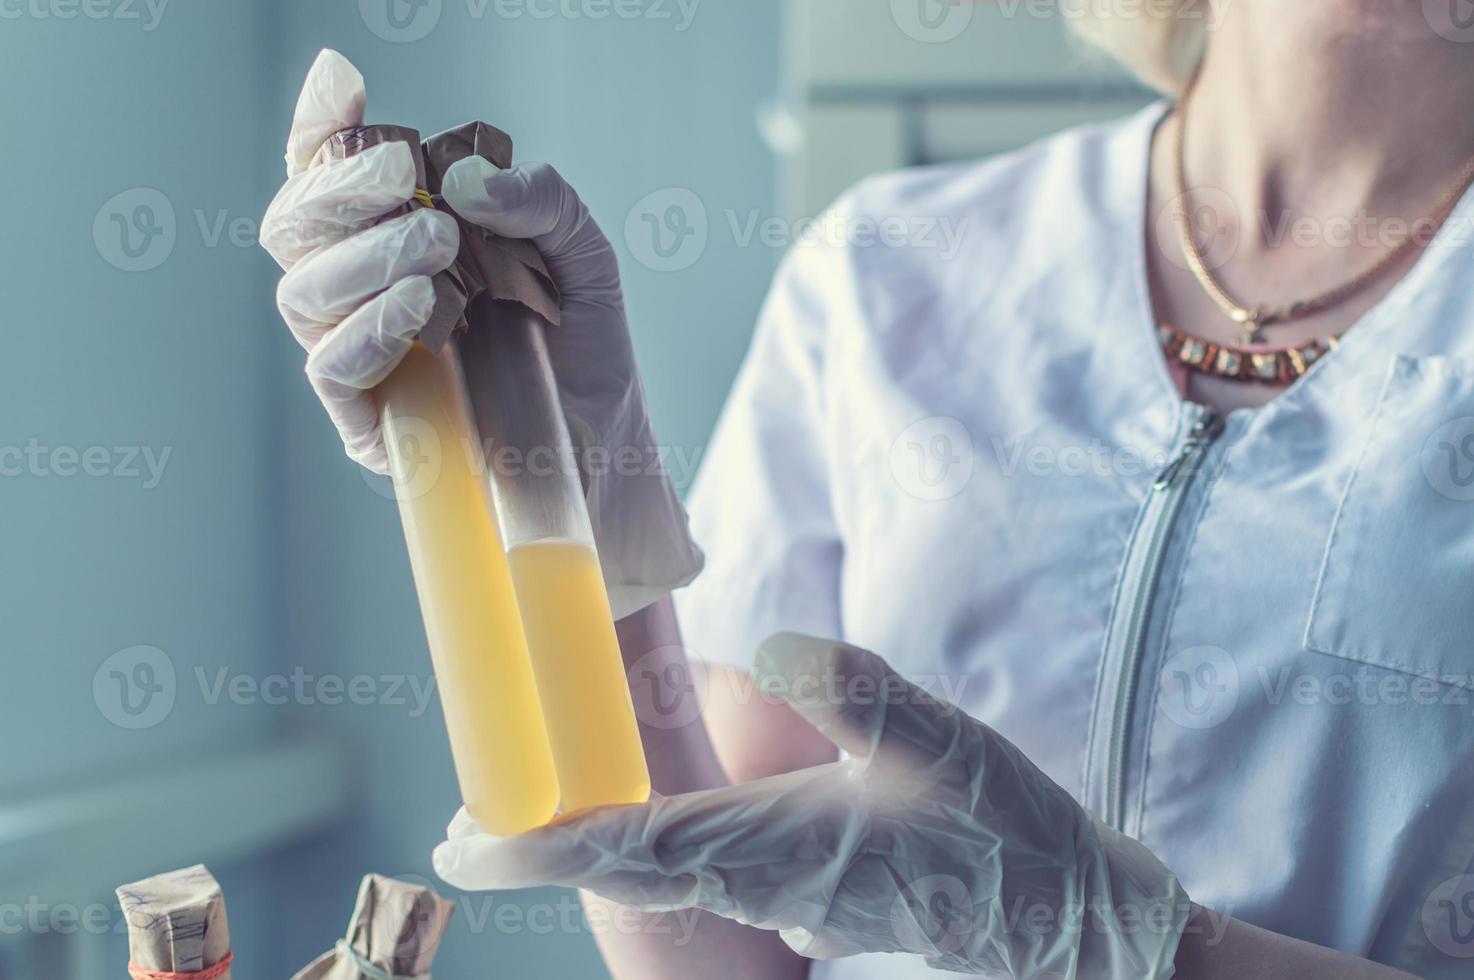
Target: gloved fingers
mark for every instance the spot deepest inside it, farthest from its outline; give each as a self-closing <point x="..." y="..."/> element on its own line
<point x="534" y="202"/>
<point x="462" y="825"/>
<point x="355" y="414"/>
<point x="754" y="833"/>
<point x="358" y="354"/>
<point x="530" y="201"/>
<point x="332" y="99"/>
<point x="333" y="200"/>
<point x="859" y="703"/>
<point x="332" y="282"/>
<point x="568" y="853"/>
<point x="362" y="350"/>
<point x="479" y="863"/>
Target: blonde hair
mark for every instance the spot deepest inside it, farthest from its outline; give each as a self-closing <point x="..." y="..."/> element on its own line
<point x="1159" y="42"/>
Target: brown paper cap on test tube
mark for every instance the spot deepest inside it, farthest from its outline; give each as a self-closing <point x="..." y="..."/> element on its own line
<point x="500" y="268"/>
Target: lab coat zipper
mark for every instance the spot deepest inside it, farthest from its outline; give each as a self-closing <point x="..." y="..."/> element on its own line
<point x="1164" y="503"/>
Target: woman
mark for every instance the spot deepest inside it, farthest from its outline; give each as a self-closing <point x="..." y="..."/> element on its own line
<point x="1163" y="477"/>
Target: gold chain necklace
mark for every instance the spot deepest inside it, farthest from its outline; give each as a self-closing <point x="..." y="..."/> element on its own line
<point x="1255" y="318"/>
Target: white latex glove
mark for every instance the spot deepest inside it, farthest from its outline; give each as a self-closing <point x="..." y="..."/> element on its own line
<point x="356" y="293"/>
<point x="936" y="837"/>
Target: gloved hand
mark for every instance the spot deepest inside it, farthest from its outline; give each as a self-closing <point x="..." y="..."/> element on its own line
<point x="356" y="293"/>
<point x="935" y="837"/>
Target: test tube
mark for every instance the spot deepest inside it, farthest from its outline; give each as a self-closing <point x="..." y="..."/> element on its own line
<point x="498" y="738"/>
<point x="538" y="496"/>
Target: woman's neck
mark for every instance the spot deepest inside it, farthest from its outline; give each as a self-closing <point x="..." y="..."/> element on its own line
<point x="1330" y="108"/>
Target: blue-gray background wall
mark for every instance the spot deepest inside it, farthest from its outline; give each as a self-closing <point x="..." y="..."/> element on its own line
<point x="262" y="549"/>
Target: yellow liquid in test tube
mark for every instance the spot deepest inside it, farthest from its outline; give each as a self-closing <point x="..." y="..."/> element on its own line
<point x="484" y="675"/>
<point x="570" y="632"/>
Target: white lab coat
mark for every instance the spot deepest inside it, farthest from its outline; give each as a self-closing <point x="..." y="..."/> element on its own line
<point x="1264" y="670"/>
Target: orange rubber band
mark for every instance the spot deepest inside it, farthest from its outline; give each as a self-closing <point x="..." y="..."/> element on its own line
<point x="208" y="973"/>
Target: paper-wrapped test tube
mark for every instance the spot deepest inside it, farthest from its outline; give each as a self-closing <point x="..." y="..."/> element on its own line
<point x="176" y="926"/>
<point x="395" y="931"/>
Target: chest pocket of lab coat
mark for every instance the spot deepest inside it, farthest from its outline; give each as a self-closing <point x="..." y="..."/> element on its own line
<point x="1396" y="586"/>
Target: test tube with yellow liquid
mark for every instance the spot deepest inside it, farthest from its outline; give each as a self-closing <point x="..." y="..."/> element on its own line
<point x="493" y="712"/>
<point x="544" y="521"/>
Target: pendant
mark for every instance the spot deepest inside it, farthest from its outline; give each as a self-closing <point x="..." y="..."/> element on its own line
<point x="1252" y="323"/>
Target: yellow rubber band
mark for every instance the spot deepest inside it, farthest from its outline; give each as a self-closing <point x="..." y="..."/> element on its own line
<point x="423" y="196"/>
